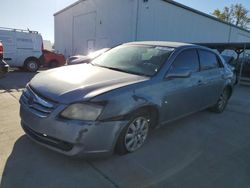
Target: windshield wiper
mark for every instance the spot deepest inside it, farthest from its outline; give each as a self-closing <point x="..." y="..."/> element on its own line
<point x="126" y="71"/>
<point x="121" y="70"/>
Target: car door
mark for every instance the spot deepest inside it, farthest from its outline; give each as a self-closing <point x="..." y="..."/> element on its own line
<point x="182" y="95"/>
<point x="212" y="77"/>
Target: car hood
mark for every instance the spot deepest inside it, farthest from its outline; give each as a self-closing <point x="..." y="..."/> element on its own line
<point x="80" y="82"/>
<point x="84" y="59"/>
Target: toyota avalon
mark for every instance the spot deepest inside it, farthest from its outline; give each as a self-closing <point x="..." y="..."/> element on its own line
<point x="112" y="103"/>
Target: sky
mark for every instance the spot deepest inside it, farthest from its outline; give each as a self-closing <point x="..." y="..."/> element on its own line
<point x="37" y="15"/>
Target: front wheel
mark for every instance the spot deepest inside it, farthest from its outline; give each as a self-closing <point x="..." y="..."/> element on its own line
<point x="32" y="65"/>
<point x="221" y="104"/>
<point x="134" y="135"/>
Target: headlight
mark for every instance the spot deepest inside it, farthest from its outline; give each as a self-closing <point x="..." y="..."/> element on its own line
<point x="81" y="111"/>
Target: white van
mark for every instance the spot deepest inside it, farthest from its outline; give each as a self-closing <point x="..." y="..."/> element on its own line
<point x="22" y="48"/>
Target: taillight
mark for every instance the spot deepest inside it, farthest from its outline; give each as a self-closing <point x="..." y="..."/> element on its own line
<point x="1" y="50"/>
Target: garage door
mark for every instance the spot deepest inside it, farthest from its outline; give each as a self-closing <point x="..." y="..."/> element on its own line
<point x="84" y="31"/>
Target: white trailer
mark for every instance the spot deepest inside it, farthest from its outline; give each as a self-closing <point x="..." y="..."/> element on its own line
<point x="22" y="48"/>
<point x="93" y="24"/>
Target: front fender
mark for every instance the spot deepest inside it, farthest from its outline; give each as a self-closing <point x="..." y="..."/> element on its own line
<point x="121" y="103"/>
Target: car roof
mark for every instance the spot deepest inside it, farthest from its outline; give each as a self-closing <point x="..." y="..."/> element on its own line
<point x="161" y="43"/>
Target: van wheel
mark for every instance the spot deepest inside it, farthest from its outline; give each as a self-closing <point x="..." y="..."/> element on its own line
<point x="221" y="104"/>
<point x="134" y="135"/>
<point x="32" y="65"/>
<point x="53" y="64"/>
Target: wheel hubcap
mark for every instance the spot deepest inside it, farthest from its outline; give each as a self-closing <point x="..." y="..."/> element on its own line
<point x="136" y="134"/>
<point x="32" y="65"/>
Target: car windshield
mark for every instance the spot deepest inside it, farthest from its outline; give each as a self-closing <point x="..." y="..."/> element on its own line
<point x="134" y="59"/>
<point x="97" y="53"/>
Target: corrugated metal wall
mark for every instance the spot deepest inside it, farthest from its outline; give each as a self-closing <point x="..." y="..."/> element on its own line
<point x="95" y="24"/>
<point x="164" y="21"/>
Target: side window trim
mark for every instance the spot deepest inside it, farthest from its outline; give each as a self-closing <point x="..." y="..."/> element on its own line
<point x="221" y="65"/>
<point x="199" y="59"/>
<point x="184" y="50"/>
<point x="205" y="50"/>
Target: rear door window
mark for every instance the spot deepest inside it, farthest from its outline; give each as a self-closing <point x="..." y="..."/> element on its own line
<point x="208" y="60"/>
<point x="187" y="59"/>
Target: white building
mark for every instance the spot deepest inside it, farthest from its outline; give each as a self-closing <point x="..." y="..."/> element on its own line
<point x="93" y="24"/>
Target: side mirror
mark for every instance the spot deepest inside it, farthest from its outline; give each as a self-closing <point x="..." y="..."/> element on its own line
<point x="178" y="73"/>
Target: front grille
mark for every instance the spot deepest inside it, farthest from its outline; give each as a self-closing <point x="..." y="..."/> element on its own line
<point x="53" y="142"/>
<point x="37" y="104"/>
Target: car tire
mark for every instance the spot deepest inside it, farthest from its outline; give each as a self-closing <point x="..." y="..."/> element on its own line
<point x="221" y="104"/>
<point x="32" y="65"/>
<point x="53" y="64"/>
<point x="134" y="134"/>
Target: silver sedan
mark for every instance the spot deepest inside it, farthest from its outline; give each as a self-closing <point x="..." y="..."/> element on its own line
<point x="113" y="103"/>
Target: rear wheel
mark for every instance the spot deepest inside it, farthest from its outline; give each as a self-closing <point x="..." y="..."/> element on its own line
<point x="134" y="135"/>
<point x="32" y="65"/>
<point x="221" y="104"/>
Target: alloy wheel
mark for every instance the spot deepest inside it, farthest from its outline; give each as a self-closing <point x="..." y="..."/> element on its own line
<point x="136" y="134"/>
<point x="223" y="100"/>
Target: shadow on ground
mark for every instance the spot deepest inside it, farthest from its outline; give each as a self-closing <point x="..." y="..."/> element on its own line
<point x="15" y="80"/>
<point x="30" y="165"/>
<point x="203" y="150"/>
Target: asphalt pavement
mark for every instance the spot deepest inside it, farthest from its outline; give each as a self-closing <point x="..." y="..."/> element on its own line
<point x="203" y="150"/>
